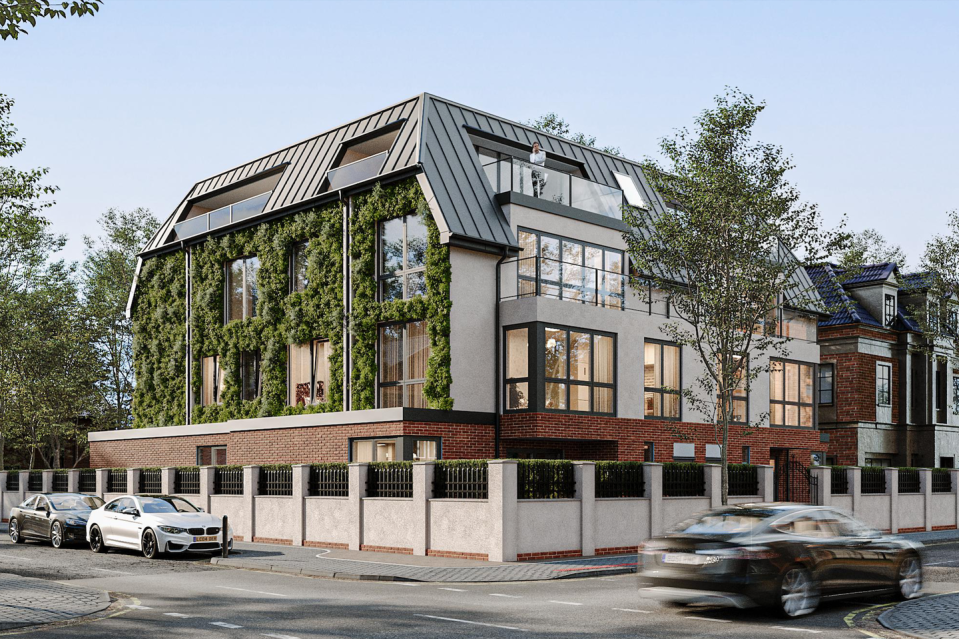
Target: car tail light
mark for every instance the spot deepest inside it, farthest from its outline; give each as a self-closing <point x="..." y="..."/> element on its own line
<point x="741" y="552"/>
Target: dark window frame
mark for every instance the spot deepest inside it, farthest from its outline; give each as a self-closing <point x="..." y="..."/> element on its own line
<point x="744" y="400"/>
<point x="299" y="248"/>
<point x="889" y="309"/>
<point x="212" y="449"/>
<point x="217" y="400"/>
<point x="800" y="404"/>
<point x="226" y="288"/>
<point x="405" y="271"/>
<point x="884" y="384"/>
<point x="529" y="378"/>
<point x="257" y="374"/>
<point x="380" y="385"/>
<point x="823" y="367"/>
<point x="289" y="372"/>
<point x="659" y="390"/>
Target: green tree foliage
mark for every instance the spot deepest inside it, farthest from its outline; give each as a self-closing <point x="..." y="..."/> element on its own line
<point x="870" y="247"/>
<point x="723" y="250"/>
<point x="16" y="13"/>
<point x="933" y="293"/>
<point x="551" y="123"/>
<point x="108" y="271"/>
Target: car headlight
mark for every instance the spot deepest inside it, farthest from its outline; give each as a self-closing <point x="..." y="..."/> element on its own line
<point x="172" y="530"/>
<point x="73" y="521"/>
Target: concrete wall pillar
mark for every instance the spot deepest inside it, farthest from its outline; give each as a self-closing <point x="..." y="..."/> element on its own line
<point x="855" y="488"/>
<point x="167" y="480"/>
<point x="767" y="482"/>
<point x="47" y="481"/>
<point x="503" y="509"/>
<point x="4" y="509"/>
<point x="301" y="488"/>
<point x="422" y="494"/>
<point x="251" y="488"/>
<point x="206" y="486"/>
<point x="892" y="489"/>
<point x="133" y="481"/>
<point x="102" y="477"/>
<point x="714" y="484"/>
<point x="584" y="474"/>
<point x="653" y="479"/>
<point x="925" y="487"/>
<point x="955" y="490"/>
<point x="823" y="476"/>
<point x="73" y="480"/>
<point x="358" y="473"/>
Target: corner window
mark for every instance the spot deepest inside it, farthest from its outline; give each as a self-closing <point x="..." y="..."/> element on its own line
<point x="826" y="383"/>
<point x="251" y="381"/>
<point x="404" y="352"/>
<point x="212" y="384"/>
<point x="241" y="288"/>
<point x="402" y="258"/>
<point x="662" y="380"/>
<point x="298" y="277"/>
<point x="578" y="371"/>
<point x="309" y="373"/>
<point x="425" y="449"/>
<point x="517" y="369"/>
<point x="889" y="310"/>
<point x="373" y="450"/>
<point x="790" y="393"/>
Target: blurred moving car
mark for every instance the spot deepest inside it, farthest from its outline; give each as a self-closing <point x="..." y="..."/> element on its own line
<point x="59" y="518"/>
<point x="154" y="524"/>
<point x="787" y="556"/>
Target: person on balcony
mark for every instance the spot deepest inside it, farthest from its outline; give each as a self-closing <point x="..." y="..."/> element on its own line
<point x="538" y="158"/>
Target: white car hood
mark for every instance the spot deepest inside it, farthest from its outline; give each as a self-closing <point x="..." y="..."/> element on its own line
<point x="184" y="520"/>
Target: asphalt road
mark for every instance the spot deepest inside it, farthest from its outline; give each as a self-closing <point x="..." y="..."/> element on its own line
<point x="188" y="598"/>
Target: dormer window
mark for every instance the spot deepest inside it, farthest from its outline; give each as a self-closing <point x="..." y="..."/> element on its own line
<point x="362" y="157"/>
<point x="889" y="312"/>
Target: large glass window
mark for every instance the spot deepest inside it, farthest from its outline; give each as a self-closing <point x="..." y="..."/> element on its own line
<point x="739" y="409"/>
<point x="662" y="380"/>
<point x="790" y="393"/>
<point x="251" y="382"/>
<point x="578" y="371"/>
<point x="402" y="258"/>
<point x="884" y="384"/>
<point x="889" y="310"/>
<point x="241" y="288"/>
<point x="212" y="381"/>
<point x="404" y="351"/>
<point x="566" y="269"/>
<point x="309" y="373"/>
<point x="517" y="369"/>
<point x="299" y="279"/>
<point x="826" y="383"/>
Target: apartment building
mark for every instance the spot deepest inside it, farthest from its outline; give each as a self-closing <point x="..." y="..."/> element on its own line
<point x="410" y="285"/>
<point x="885" y="398"/>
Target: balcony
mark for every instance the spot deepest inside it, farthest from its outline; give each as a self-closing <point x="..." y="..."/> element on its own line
<point x="546" y="277"/>
<point x="355" y="172"/>
<point x="221" y="217"/>
<point x="518" y="176"/>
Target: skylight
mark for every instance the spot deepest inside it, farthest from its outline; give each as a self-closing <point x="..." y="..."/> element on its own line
<point x="633" y="198"/>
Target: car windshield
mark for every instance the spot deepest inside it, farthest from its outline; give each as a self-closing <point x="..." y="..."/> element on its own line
<point x="75" y="502"/>
<point x="732" y="521"/>
<point x="167" y="505"/>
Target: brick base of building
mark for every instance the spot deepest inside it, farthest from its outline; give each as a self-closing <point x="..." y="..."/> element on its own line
<point x="272" y="540"/>
<point x="617" y="550"/>
<point x="452" y="554"/>
<point x="904" y="531"/>
<point x="935" y="528"/>
<point x="391" y="549"/>
<point x="326" y="544"/>
<point x="557" y="554"/>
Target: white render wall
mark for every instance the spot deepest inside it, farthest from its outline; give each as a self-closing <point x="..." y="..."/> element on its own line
<point x="472" y="325"/>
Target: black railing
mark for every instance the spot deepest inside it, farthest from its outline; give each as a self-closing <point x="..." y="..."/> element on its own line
<point x="13" y="480"/>
<point x="873" y="480"/>
<point x="150" y="481"/>
<point x="684" y="479"/>
<point x="88" y="481"/>
<point x="743" y="480"/>
<point x="228" y="480"/>
<point x="117" y="480"/>
<point x="61" y="481"/>
<point x="276" y="480"/>
<point x="35" y="481"/>
<point x="941" y="480"/>
<point x="329" y="480"/>
<point x="545" y="479"/>
<point x="186" y="481"/>
<point x="467" y="479"/>
<point x="840" y="480"/>
<point x="909" y="480"/>
<point x="619" y="479"/>
<point x="390" y="479"/>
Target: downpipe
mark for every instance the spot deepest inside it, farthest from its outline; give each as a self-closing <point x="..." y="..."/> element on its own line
<point x="497" y="428"/>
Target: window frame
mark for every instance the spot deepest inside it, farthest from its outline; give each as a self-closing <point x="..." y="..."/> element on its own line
<point x="226" y="288"/>
<point x="213" y="449"/>
<point x="886" y="381"/>
<point x="217" y="374"/>
<point x="659" y="390"/>
<point x="529" y="378"/>
<point x="800" y="404"/>
<point x="404" y="272"/>
<point x="744" y="400"/>
<point x="257" y="374"/>
<point x="313" y="370"/>
<point x="296" y="249"/>
<point x="380" y="385"/>
<point x="831" y="367"/>
<point x="888" y="309"/>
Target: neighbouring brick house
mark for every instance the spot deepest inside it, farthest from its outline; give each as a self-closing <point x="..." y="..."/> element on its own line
<point x="410" y="285"/>
<point x="882" y="400"/>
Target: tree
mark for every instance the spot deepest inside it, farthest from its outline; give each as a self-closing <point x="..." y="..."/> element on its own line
<point x="935" y="293"/>
<point x="16" y="13"/>
<point x="107" y="274"/>
<point x="723" y="252"/>
<point x="870" y="247"/>
<point x="555" y="125"/>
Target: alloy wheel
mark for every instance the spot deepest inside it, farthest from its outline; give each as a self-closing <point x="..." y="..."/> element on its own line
<point x="798" y="593"/>
<point x="910" y="578"/>
<point x="15" y="532"/>
<point x="96" y="540"/>
<point x="56" y="534"/>
<point x="149" y="545"/>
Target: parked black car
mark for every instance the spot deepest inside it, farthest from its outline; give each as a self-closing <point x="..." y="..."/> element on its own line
<point x="59" y="518"/>
<point x="786" y="556"/>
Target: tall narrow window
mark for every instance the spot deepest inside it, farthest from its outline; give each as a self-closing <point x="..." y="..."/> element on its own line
<point x="662" y="380"/>
<point x="889" y="311"/>
<point x="790" y="393"/>
<point x="210" y="370"/>
<point x="250" y="375"/>
<point x="955" y="394"/>
<point x="402" y="258"/>
<point x="739" y="406"/>
<point x="517" y="369"/>
<point x="298" y="277"/>
<point x="404" y="352"/>
<point x="241" y="288"/>
<point x="826" y="382"/>
<point x="309" y="373"/>
<point x="883" y="384"/>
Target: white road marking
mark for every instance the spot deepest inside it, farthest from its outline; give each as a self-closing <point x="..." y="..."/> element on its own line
<point x="137" y="607"/>
<point x="119" y="572"/>
<point x="942" y="563"/>
<point x="404" y="583"/>
<point x="178" y="615"/>
<point x="815" y="632"/>
<point x="223" y="624"/>
<point x="645" y="612"/>
<point x="566" y="603"/>
<point x="496" y="594"/>
<point x="473" y="623"/>
<point x="280" y="636"/>
<point x="454" y="589"/>
<point x="709" y="619"/>
<point x="259" y="592"/>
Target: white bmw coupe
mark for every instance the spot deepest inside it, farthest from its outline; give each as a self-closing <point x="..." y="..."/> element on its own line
<point x="154" y="524"/>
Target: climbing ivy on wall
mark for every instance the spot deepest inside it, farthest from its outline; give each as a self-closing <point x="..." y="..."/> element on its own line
<point x="369" y="209"/>
<point x="159" y="343"/>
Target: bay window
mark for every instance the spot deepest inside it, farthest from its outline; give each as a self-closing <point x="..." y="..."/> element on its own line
<point x="404" y="352"/>
<point x="402" y="247"/>
<point x="662" y="380"/>
<point x="309" y="373"/>
<point x="790" y="393"/>
<point x="241" y="288"/>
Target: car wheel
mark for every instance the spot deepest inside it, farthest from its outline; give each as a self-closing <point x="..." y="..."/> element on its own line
<point x="15" y="535"/>
<point x="56" y="534"/>
<point x="149" y="545"/>
<point x="798" y="592"/>
<point x="96" y="540"/>
<point x="909" y="577"/>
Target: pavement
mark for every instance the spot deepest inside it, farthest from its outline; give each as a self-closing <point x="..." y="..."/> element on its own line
<point x="935" y="617"/>
<point x="25" y="601"/>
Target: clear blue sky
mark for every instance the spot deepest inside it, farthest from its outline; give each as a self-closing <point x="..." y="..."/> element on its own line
<point x="132" y="106"/>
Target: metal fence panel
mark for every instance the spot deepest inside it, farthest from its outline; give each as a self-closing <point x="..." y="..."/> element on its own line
<point x="390" y="479"/>
<point x="909" y="480"/>
<point x="186" y="481"/>
<point x="684" y="480"/>
<point x="329" y="480"/>
<point x="941" y="480"/>
<point x="276" y="480"/>
<point x="873" y="480"/>
<point x="61" y="481"/>
<point x="743" y="480"/>
<point x="620" y="480"/>
<point x="461" y="481"/>
<point x="840" y="480"/>
<point x="88" y="481"/>
<point x="227" y="481"/>
<point x="150" y="481"/>
<point x="117" y="480"/>
<point x="541" y="479"/>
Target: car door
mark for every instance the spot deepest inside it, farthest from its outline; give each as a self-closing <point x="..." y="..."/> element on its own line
<point x="37" y="523"/>
<point x="872" y="553"/>
<point x="125" y="525"/>
<point x="25" y="515"/>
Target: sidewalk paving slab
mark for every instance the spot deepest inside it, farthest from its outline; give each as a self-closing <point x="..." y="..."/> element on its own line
<point x="26" y="602"/>
<point x="930" y="617"/>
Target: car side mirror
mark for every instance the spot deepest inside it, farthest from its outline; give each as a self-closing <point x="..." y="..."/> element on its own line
<point x="201" y="510"/>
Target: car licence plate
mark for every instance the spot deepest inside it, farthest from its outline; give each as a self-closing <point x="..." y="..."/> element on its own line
<point x="684" y="558"/>
<point x="207" y="538"/>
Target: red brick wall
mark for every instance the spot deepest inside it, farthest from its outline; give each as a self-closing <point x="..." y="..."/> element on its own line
<point x="844" y="446"/>
<point x="162" y="451"/>
<point x="855" y="386"/>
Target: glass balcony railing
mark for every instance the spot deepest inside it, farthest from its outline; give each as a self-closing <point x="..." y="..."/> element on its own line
<point x="356" y="171"/>
<point x="222" y="217"/>
<point x="523" y="177"/>
<point x="545" y="277"/>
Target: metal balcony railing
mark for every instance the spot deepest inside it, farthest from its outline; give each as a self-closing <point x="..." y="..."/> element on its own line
<point x="222" y="216"/>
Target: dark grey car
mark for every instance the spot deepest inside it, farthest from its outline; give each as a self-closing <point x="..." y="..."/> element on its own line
<point x="786" y="556"/>
<point x="59" y="518"/>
